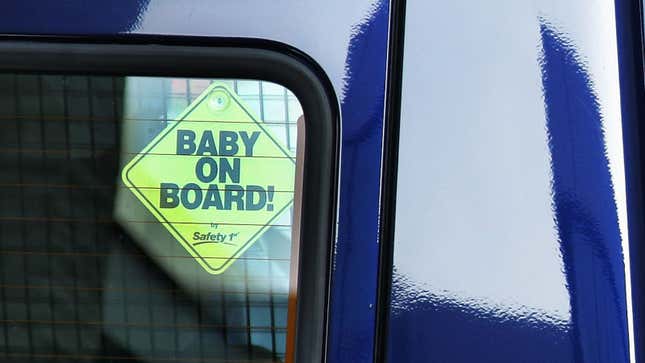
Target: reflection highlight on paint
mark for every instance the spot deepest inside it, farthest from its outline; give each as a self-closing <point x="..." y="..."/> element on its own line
<point x="466" y="314"/>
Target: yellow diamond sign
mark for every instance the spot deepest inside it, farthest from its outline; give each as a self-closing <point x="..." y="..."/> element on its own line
<point x="216" y="178"/>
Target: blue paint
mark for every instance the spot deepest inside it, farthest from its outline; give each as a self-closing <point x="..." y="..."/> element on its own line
<point x="72" y="16"/>
<point x="585" y="209"/>
<point x="428" y="327"/>
<point x="632" y="95"/>
<point x="354" y="280"/>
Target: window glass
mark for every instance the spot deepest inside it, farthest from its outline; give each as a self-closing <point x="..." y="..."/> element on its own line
<point x="146" y="219"/>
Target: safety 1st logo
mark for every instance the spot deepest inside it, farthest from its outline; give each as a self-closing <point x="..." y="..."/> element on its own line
<point x="216" y="178"/>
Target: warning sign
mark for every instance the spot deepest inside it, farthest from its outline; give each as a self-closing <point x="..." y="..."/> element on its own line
<point x="216" y="179"/>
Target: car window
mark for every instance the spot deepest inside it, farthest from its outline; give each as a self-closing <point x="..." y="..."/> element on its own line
<point x="147" y="218"/>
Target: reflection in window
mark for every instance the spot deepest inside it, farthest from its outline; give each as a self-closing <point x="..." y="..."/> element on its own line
<point x="87" y="272"/>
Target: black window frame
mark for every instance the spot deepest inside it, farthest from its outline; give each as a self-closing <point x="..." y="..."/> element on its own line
<point x="199" y="57"/>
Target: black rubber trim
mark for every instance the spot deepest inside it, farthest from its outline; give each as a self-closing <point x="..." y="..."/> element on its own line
<point x="389" y="175"/>
<point x="226" y="58"/>
<point x="629" y="29"/>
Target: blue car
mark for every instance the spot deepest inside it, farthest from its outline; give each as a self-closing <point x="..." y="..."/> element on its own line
<point x="322" y="181"/>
